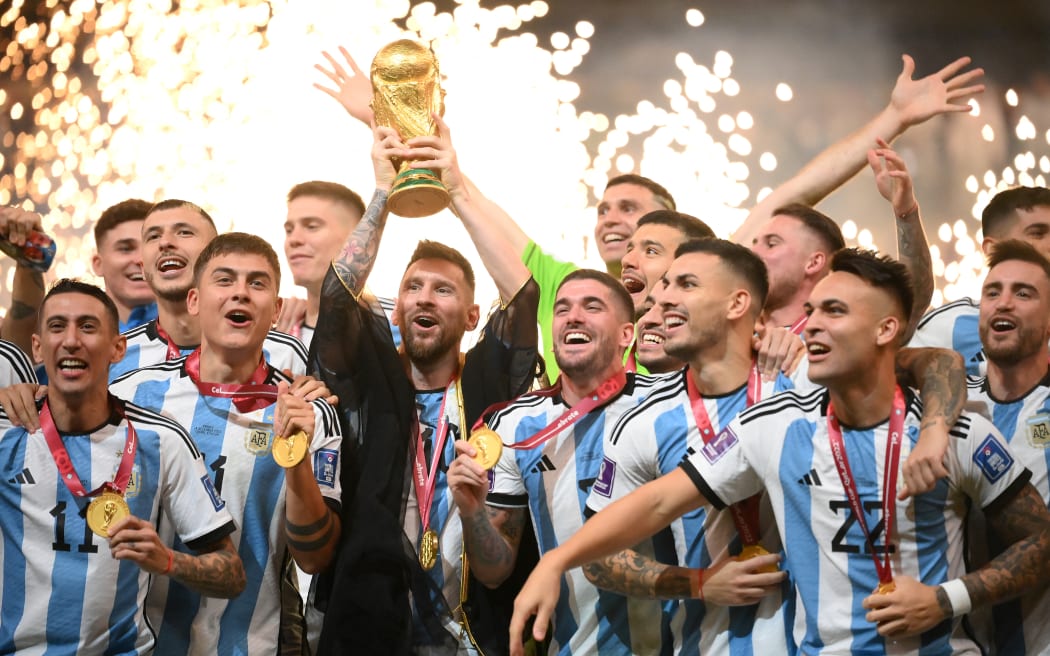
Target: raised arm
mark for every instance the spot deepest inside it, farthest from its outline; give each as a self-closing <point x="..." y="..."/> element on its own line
<point x="895" y="185"/>
<point x="355" y="261"/>
<point x="911" y="102"/>
<point x="27" y="288"/>
<point x="482" y="218"/>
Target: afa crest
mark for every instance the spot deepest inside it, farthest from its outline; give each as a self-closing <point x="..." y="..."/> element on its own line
<point x="1039" y="430"/>
<point x="257" y="440"/>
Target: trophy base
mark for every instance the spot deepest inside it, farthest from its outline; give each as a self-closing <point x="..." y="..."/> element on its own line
<point x="417" y="193"/>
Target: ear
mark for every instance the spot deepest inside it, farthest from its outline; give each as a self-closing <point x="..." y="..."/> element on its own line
<point x="396" y="312"/>
<point x="193" y="302"/>
<point x="120" y="347"/>
<point x="987" y="244"/>
<point x="815" y="265"/>
<point x="626" y="336"/>
<point x="887" y="330"/>
<point x="277" y="305"/>
<point x="473" y="316"/>
<point x="38" y="351"/>
<point x="739" y="304"/>
<point x="96" y="264"/>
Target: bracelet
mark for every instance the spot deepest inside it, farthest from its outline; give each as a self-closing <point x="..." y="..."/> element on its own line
<point x="959" y="597"/>
<point x="171" y="562"/>
<point x="699" y="583"/>
<point x="914" y="210"/>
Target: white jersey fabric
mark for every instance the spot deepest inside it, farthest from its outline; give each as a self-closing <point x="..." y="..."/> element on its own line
<point x="553" y="480"/>
<point x="15" y="366"/>
<point x="953" y="326"/>
<point x="146" y="346"/>
<point x="61" y="591"/>
<point x="653" y="439"/>
<point x="237" y="450"/>
<point x="1021" y="626"/>
<point x="782" y="445"/>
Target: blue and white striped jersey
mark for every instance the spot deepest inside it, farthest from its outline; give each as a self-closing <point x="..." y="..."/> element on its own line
<point x="236" y="447"/>
<point x="1020" y="626"/>
<point x="653" y="439"/>
<point x="61" y="592"/>
<point x="147" y="347"/>
<point x="953" y="326"/>
<point x="15" y="366"/>
<point x="553" y="481"/>
<point x="444" y="514"/>
<point x="782" y="444"/>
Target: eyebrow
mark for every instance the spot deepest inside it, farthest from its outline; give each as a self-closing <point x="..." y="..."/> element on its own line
<point x="251" y="275"/>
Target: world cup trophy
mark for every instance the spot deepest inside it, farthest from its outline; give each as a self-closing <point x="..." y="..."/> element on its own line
<point x="406" y="91"/>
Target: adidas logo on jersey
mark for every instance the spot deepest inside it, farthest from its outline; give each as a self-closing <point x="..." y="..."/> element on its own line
<point x="25" y="478"/>
<point x="811" y="478"/>
<point x="544" y="465"/>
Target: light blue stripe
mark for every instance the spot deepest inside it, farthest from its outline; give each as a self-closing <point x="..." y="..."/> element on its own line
<point x="801" y="560"/>
<point x="12" y="454"/>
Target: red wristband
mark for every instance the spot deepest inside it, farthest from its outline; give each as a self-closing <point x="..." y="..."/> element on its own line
<point x="171" y="561"/>
<point x="700" y="583"/>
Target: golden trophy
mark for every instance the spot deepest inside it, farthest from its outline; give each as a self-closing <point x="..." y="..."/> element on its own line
<point x="406" y="90"/>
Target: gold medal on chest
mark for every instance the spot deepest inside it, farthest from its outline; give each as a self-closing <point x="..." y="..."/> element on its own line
<point x="428" y="549"/>
<point x="105" y="510"/>
<point x="289" y="451"/>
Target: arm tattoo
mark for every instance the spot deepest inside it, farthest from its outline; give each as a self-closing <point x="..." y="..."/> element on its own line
<point x="214" y="572"/>
<point x="914" y="253"/>
<point x="941" y="377"/>
<point x="355" y="261"/>
<point x="296" y="532"/>
<point x="21" y="310"/>
<point x="632" y="574"/>
<point x="490" y="547"/>
<point x="1024" y="524"/>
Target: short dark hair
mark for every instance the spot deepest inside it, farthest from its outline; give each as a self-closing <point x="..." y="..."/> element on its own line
<point x="822" y="226"/>
<point x="619" y="293"/>
<point x="332" y="191"/>
<point x="662" y="196"/>
<point x="132" y="209"/>
<point x="175" y="203"/>
<point x="740" y="260"/>
<point x="237" y="243"/>
<point x="880" y="271"/>
<point x="74" y="286"/>
<point x="433" y="250"/>
<point x="1010" y="250"/>
<point x="690" y="226"/>
<point x="1002" y="209"/>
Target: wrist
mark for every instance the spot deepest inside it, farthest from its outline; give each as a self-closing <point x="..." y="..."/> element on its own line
<point x="696" y="584"/>
<point x="911" y="210"/>
<point x="171" y="562"/>
<point x="958" y="597"/>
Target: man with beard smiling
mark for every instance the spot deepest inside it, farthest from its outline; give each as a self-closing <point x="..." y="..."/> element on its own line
<point x="857" y="590"/>
<point x="557" y="437"/>
<point x="397" y="585"/>
<point x="1014" y="329"/>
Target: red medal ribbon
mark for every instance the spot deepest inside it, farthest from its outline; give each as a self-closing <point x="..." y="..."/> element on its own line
<point x="631" y="361"/>
<point x="425" y="481"/>
<point x="608" y="390"/>
<point x="799" y="325"/>
<point x="745" y="513"/>
<point x="249" y="397"/>
<point x="173" y="350"/>
<point x="65" y="465"/>
<point x="889" y="479"/>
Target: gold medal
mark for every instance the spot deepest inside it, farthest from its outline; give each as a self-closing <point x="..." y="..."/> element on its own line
<point x="488" y="446"/>
<point x="753" y="551"/>
<point x="289" y="451"/>
<point x="105" y="510"/>
<point x="886" y="588"/>
<point x="428" y="549"/>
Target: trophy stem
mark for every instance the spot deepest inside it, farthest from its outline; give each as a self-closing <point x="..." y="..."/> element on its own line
<point x="417" y="193"/>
